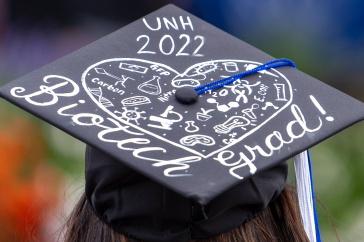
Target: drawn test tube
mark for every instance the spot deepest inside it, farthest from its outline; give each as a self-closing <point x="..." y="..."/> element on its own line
<point x="281" y="92"/>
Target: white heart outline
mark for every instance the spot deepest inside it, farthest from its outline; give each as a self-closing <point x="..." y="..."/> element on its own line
<point x="83" y="80"/>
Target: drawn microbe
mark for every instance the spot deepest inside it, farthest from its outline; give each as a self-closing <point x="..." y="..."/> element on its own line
<point x="195" y="139"/>
<point x="131" y="115"/>
<point x="206" y="68"/>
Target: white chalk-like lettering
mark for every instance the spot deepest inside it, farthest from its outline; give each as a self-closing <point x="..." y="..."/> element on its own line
<point x="170" y="23"/>
<point x="186" y="23"/>
<point x="149" y="27"/>
<point x="274" y="141"/>
<point x="48" y="92"/>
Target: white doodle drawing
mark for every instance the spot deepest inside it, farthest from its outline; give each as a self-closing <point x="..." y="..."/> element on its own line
<point x="252" y="66"/>
<point x="239" y="87"/>
<point x="223" y="107"/>
<point x="122" y="79"/>
<point x="191" y="127"/>
<point x="249" y="111"/>
<point x="152" y="86"/>
<point x="164" y="120"/>
<point x="135" y="101"/>
<point x="246" y="84"/>
<point x="131" y="115"/>
<point x="203" y="115"/>
<point x="232" y="123"/>
<point x="269" y="104"/>
<point x="231" y="66"/>
<point x="241" y="95"/>
<point x="281" y="92"/>
<point x="193" y="78"/>
<point x="195" y="139"/>
<point x="133" y="68"/>
<point x="102" y="100"/>
<point x="206" y="68"/>
<point x="167" y="125"/>
<point x="231" y="140"/>
<point x="186" y="81"/>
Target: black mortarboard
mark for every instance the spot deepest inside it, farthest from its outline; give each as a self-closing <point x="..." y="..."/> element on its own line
<point x="118" y="96"/>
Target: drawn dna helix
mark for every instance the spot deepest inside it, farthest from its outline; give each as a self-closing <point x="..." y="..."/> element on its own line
<point x="98" y="93"/>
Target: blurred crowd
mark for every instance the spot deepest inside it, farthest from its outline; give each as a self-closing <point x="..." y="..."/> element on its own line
<point x="38" y="163"/>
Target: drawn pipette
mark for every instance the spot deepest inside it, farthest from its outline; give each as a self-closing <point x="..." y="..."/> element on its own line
<point x="102" y="71"/>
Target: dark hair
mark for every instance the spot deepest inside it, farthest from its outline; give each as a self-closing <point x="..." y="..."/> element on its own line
<point x="280" y="221"/>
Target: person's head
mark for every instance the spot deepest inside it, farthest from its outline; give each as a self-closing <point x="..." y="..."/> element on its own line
<point x="126" y="206"/>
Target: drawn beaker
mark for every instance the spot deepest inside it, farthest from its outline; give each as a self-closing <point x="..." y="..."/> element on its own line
<point x="151" y="87"/>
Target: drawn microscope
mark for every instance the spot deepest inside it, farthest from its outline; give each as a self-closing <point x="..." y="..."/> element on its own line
<point x="164" y="120"/>
<point x="232" y="123"/>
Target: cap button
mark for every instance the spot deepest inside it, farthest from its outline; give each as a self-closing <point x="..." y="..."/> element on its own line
<point x="186" y="95"/>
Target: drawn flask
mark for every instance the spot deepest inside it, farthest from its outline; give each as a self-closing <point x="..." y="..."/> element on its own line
<point x="151" y="87"/>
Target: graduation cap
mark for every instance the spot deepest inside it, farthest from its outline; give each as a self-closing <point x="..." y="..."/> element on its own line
<point x="118" y="95"/>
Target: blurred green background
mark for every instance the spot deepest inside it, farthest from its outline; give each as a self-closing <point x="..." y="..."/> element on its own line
<point x="41" y="168"/>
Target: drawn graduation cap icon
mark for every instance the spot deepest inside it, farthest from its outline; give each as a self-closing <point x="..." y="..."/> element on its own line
<point x="118" y="96"/>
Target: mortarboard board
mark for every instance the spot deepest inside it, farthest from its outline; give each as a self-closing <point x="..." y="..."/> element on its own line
<point x="118" y="96"/>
